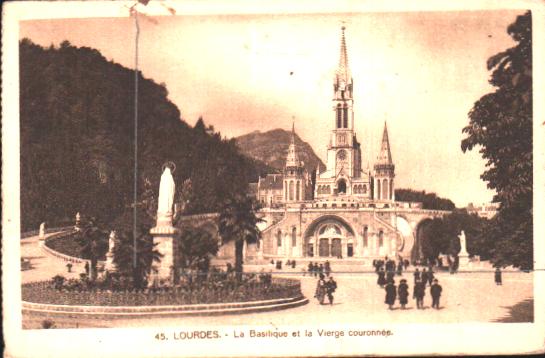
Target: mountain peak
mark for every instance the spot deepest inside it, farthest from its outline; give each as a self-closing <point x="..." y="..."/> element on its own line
<point x="271" y="147"/>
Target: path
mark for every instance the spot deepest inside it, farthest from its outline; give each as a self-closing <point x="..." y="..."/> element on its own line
<point x="44" y="265"/>
<point x="467" y="297"/>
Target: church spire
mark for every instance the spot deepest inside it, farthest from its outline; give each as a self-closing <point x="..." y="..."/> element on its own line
<point x="343" y="71"/>
<point x="385" y="156"/>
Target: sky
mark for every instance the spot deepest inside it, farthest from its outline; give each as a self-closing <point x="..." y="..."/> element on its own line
<point x="421" y="72"/>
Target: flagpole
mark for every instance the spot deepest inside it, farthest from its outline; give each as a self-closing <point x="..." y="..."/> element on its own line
<point x="135" y="212"/>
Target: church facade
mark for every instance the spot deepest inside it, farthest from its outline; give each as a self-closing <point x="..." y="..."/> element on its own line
<point x="348" y="212"/>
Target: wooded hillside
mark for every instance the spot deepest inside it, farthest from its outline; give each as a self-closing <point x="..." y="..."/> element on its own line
<point x="77" y="126"/>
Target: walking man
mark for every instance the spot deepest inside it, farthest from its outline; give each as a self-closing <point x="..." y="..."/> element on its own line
<point x="497" y="276"/>
<point x="399" y="268"/>
<point x="419" y="292"/>
<point x="435" y="291"/>
<point x="327" y="268"/>
<point x="403" y="293"/>
<point x="390" y="276"/>
<point x="381" y="278"/>
<point x="416" y="275"/>
<point x="424" y="276"/>
<point x="331" y="286"/>
<point x="430" y="276"/>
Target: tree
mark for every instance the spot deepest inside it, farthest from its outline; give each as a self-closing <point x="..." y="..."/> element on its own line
<point x="238" y="223"/>
<point x="76" y="140"/>
<point x="428" y="200"/>
<point x="501" y="125"/>
<point x="127" y="249"/>
<point x="93" y="241"/>
<point x="195" y="248"/>
<point x="146" y="255"/>
<point x="440" y="235"/>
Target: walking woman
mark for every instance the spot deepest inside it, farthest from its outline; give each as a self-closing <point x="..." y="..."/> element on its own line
<point x="390" y="294"/>
<point x="321" y="289"/>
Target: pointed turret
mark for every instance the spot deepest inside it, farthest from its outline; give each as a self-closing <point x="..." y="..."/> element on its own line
<point x="385" y="156"/>
<point x="293" y="158"/>
<point x="294" y="174"/>
<point x="384" y="170"/>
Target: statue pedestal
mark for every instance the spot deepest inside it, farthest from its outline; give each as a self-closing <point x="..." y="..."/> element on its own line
<point x="463" y="261"/>
<point x="110" y="266"/>
<point x="164" y="236"/>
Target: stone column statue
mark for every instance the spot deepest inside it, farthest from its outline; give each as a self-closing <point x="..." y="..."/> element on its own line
<point x="463" y="256"/>
<point x="166" y="199"/>
<point x="462" y="237"/>
<point x="78" y="221"/>
<point x="110" y="266"/>
<point x="42" y="231"/>
<point x="164" y="233"/>
<point x="111" y="241"/>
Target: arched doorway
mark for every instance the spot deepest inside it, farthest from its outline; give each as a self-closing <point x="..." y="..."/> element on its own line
<point x="341" y="186"/>
<point x="417" y="253"/>
<point x="329" y="236"/>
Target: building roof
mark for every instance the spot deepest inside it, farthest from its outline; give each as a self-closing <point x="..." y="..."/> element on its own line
<point x="385" y="156"/>
<point x="293" y="157"/>
<point x="271" y="182"/>
<point x="252" y="189"/>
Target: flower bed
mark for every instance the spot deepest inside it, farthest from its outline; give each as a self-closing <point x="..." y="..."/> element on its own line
<point x="204" y="293"/>
<point x="66" y="244"/>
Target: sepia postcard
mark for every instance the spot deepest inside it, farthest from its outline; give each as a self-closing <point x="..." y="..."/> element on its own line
<point x="224" y="179"/>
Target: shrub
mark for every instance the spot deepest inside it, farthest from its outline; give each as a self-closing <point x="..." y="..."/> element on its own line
<point x="213" y="289"/>
<point x="47" y="324"/>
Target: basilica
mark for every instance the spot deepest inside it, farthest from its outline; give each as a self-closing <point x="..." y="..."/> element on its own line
<point x="347" y="211"/>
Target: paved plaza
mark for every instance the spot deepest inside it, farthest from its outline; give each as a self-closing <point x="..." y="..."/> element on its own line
<point x="467" y="297"/>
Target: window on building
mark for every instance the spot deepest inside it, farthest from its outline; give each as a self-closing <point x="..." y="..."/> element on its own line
<point x="339" y="114"/>
<point x="364" y="189"/>
<point x="291" y="191"/>
<point x="293" y="237"/>
<point x="378" y="189"/>
<point x="365" y="236"/>
<point x="381" y="238"/>
<point x="324" y="205"/>
<point x="385" y="189"/>
<point x="391" y="189"/>
<point x="279" y="238"/>
<point x="345" y="117"/>
<point x="297" y="192"/>
<point x="350" y="250"/>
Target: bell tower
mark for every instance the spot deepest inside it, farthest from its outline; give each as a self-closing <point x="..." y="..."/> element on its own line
<point x="343" y="150"/>
<point x="384" y="171"/>
<point x="294" y="174"/>
<point x="343" y="174"/>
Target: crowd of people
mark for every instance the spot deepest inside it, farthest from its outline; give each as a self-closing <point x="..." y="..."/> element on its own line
<point x="386" y="271"/>
<point x="315" y="269"/>
<point x="324" y="288"/>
